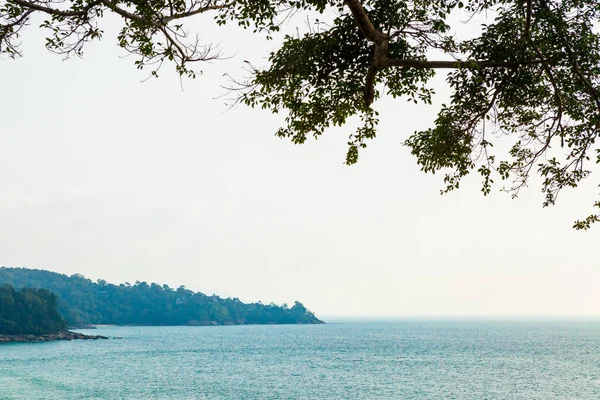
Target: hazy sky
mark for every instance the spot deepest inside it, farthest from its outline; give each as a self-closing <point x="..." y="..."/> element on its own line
<point x="104" y="175"/>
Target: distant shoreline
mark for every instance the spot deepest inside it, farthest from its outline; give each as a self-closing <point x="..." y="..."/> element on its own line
<point x="67" y="335"/>
<point x="82" y="302"/>
<point x="96" y="326"/>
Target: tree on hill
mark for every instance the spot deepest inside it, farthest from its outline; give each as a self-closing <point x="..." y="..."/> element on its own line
<point x="29" y="312"/>
<point x="532" y="73"/>
<point x="84" y="302"/>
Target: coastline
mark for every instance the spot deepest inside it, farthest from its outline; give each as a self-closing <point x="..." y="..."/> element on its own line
<point x="196" y="323"/>
<point x="67" y="335"/>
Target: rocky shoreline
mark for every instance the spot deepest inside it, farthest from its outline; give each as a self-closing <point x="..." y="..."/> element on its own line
<point x="67" y="335"/>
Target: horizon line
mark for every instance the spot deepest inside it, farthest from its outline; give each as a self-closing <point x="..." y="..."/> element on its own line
<point x="401" y="317"/>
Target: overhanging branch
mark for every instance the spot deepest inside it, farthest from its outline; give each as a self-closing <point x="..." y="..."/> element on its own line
<point x="54" y="11"/>
<point x="195" y="12"/>
<point x="124" y="13"/>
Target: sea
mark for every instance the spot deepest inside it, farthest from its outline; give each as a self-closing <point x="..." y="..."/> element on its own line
<point x="407" y="359"/>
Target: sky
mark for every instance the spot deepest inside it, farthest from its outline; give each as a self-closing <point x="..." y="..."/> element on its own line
<point x="108" y="175"/>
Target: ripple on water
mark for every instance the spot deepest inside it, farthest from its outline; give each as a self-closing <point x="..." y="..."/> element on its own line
<point x="404" y="360"/>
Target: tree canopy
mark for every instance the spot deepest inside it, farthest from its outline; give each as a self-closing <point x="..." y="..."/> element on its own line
<point x="29" y="312"/>
<point x="531" y="72"/>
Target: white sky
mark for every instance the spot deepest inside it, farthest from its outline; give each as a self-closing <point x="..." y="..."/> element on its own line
<point x="103" y="175"/>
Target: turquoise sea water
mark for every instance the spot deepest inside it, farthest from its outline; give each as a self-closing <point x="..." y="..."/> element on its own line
<point x="402" y="360"/>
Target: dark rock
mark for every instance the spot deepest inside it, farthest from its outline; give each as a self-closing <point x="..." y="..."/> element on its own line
<point x="66" y="335"/>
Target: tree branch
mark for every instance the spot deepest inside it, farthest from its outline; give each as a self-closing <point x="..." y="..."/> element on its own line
<point x="54" y="11"/>
<point x="528" y="19"/>
<point x="6" y="31"/>
<point x="190" y="13"/>
<point x="381" y="41"/>
<point x="364" y="22"/>
<point x="124" y="13"/>
<point x="592" y="90"/>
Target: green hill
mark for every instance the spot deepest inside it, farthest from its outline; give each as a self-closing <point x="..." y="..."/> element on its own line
<point x="29" y="312"/>
<point x="82" y="302"/>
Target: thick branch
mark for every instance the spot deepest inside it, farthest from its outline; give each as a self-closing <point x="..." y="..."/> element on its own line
<point x="381" y="41"/>
<point x="122" y="12"/>
<point x="363" y="21"/>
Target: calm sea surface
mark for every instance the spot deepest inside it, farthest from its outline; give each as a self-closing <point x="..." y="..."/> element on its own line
<point x="403" y="360"/>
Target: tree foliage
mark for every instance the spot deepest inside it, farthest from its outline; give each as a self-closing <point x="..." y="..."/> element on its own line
<point x="84" y="302"/>
<point x="531" y="73"/>
<point x="29" y="312"/>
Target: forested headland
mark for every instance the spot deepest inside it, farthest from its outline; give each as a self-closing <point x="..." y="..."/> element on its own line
<point x="84" y="302"/>
<point x="29" y="312"/>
